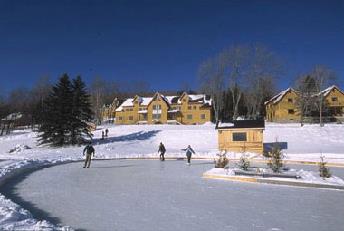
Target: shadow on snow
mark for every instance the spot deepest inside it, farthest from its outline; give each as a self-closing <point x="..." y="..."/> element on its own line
<point x="141" y="135"/>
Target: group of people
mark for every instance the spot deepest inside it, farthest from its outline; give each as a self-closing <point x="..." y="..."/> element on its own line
<point x="105" y="134"/>
<point x="189" y="151"/>
<point x="89" y="151"/>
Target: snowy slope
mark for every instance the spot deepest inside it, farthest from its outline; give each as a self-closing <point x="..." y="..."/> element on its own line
<point x="143" y="140"/>
<point x="304" y="143"/>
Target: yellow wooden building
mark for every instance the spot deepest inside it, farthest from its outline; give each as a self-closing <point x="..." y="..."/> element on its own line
<point x="282" y="107"/>
<point x="160" y="109"/>
<point x="334" y="99"/>
<point x="241" y="136"/>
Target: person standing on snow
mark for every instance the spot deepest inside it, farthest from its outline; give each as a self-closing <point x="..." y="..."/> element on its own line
<point x="162" y="151"/>
<point x="89" y="151"/>
<point x="189" y="152"/>
<point x="106" y="132"/>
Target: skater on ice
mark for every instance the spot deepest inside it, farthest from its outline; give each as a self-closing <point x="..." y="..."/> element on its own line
<point x="189" y="152"/>
<point x="106" y="132"/>
<point x="89" y="151"/>
<point x="162" y="151"/>
<point x="103" y="135"/>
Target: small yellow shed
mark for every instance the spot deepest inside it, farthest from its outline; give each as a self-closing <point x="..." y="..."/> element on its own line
<point x="241" y="136"/>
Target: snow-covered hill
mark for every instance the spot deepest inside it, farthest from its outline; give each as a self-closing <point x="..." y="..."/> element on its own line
<point x="124" y="141"/>
<point x="304" y="143"/>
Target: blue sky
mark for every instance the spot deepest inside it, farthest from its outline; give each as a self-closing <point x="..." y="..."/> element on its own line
<point x="161" y="42"/>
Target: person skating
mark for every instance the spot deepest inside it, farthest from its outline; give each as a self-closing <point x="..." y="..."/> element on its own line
<point x="102" y="135"/>
<point x="162" y="151"/>
<point x="106" y="132"/>
<point x="189" y="152"/>
<point x="89" y="151"/>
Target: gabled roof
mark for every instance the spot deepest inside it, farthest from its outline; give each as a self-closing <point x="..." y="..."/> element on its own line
<point x="161" y="96"/>
<point x="279" y="96"/>
<point x="329" y="89"/>
<point x="240" y="124"/>
<point x="200" y="98"/>
<point x="145" y="101"/>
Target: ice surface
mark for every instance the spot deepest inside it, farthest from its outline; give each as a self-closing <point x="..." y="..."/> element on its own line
<point x="154" y="195"/>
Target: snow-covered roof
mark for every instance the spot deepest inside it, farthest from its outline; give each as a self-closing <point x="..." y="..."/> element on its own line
<point x="329" y="89"/>
<point x="240" y="124"/>
<point x="13" y="116"/>
<point x="144" y="101"/>
<point x="279" y="96"/>
<point x="126" y="103"/>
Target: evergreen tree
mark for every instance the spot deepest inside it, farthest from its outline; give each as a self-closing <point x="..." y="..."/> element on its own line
<point x="324" y="171"/>
<point x="81" y="112"/>
<point x="244" y="163"/>
<point x="57" y="117"/>
<point x="275" y="162"/>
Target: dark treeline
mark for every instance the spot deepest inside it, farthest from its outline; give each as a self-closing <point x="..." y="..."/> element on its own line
<point x="31" y="102"/>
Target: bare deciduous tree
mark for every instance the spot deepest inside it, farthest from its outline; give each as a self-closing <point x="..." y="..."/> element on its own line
<point x="212" y="82"/>
<point x="323" y="77"/>
<point x="306" y="88"/>
<point x="241" y="68"/>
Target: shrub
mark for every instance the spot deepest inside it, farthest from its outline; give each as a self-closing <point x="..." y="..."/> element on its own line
<point x="244" y="163"/>
<point x="276" y="156"/>
<point x="323" y="169"/>
<point x="222" y="161"/>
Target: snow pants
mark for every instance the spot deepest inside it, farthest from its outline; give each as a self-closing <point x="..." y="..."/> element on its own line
<point x="88" y="160"/>
<point x="162" y="156"/>
<point x="189" y="158"/>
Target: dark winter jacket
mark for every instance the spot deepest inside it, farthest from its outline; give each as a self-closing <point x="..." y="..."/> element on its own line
<point x="162" y="148"/>
<point x="89" y="150"/>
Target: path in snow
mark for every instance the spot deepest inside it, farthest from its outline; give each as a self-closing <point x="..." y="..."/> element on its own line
<point x="153" y="195"/>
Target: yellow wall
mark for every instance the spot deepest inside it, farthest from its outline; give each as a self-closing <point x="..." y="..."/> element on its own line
<point x="123" y="117"/>
<point x="254" y="142"/>
<point x="158" y="101"/>
<point x="195" y="110"/>
<point x="338" y="95"/>
<point x="279" y="112"/>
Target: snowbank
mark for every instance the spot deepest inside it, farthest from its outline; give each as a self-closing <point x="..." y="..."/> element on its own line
<point x="306" y="178"/>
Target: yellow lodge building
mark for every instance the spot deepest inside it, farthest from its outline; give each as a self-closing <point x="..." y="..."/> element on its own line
<point x="334" y="99"/>
<point x="282" y="107"/>
<point x="160" y="109"/>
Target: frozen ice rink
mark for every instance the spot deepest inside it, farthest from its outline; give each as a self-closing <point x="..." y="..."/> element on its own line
<point x="153" y="195"/>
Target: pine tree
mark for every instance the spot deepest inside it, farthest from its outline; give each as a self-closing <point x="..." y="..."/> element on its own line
<point x="324" y="171"/>
<point x="81" y="112"/>
<point x="57" y="117"/>
<point x="244" y="163"/>
<point x="275" y="162"/>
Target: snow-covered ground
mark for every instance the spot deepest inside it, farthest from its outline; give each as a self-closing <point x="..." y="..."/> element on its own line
<point x="304" y="143"/>
<point x="304" y="177"/>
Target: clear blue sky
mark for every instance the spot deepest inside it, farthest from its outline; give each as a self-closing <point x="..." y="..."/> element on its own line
<point x="162" y="42"/>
